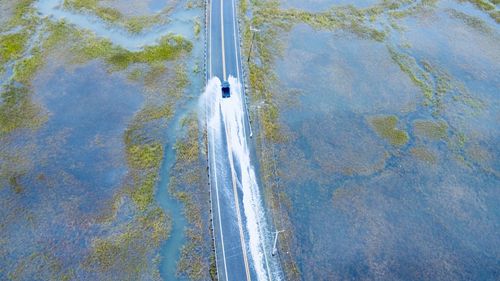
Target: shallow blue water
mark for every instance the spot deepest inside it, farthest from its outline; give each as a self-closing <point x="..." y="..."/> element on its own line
<point x="170" y="251"/>
<point x="320" y="5"/>
<point x="364" y="209"/>
<point x="74" y="164"/>
<point x="181" y="23"/>
<point x="156" y="5"/>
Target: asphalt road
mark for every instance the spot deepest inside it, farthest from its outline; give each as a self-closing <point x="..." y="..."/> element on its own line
<point x="232" y="253"/>
<point x="223" y="42"/>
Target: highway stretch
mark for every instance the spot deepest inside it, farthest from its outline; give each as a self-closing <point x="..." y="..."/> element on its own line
<point x="241" y="234"/>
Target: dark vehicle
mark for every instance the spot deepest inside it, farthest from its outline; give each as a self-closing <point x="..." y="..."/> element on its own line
<point x="226" y="92"/>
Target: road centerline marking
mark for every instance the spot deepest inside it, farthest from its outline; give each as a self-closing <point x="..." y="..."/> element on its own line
<point x="218" y="206"/>
<point x="235" y="44"/>
<point x="236" y="201"/>
<point x="222" y="36"/>
<point x="210" y="39"/>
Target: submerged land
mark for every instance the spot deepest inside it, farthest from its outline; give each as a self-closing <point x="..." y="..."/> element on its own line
<point x="372" y="116"/>
<point x="376" y="138"/>
<point x="87" y="127"/>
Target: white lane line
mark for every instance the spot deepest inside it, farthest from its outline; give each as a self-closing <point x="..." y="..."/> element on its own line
<point x="210" y="39"/>
<point x="235" y="46"/>
<point x="222" y="35"/>
<point x="236" y="200"/>
<point x="214" y="165"/>
<point x="238" y="62"/>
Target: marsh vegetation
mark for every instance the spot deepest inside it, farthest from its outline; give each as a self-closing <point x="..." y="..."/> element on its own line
<point x="367" y="116"/>
<point x="82" y="131"/>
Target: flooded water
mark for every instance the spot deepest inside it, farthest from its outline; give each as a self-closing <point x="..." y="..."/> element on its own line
<point x="171" y="250"/>
<point x="67" y="207"/>
<point x="391" y="162"/>
<point x="365" y="205"/>
<point x="321" y="5"/>
<point x="181" y="23"/>
<point x="139" y="8"/>
<point x="71" y="167"/>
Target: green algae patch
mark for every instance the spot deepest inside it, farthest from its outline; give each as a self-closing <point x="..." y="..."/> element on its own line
<point x="125" y="253"/>
<point x="17" y="110"/>
<point x="105" y="13"/>
<point x="155" y="112"/>
<point x="89" y="47"/>
<point x="140" y="23"/>
<point x="143" y="192"/>
<point x="12" y="46"/>
<point x="186" y="151"/>
<point x="430" y="129"/>
<point x="243" y="5"/>
<point x="484" y="5"/>
<point x="145" y="156"/>
<point x="404" y="8"/>
<point x="419" y="77"/>
<point x="270" y="123"/>
<point x="197" y="27"/>
<point x="470" y="21"/>
<point x="59" y="32"/>
<point x="344" y="17"/>
<point x="434" y="82"/>
<point x="26" y="68"/>
<point x="385" y="127"/>
<point x="28" y="63"/>
<point x="170" y="47"/>
<point x="487" y="6"/>
<point x="22" y="15"/>
<point x="424" y="154"/>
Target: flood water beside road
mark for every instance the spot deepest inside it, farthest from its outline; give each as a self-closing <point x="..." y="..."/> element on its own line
<point x="415" y="198"/>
